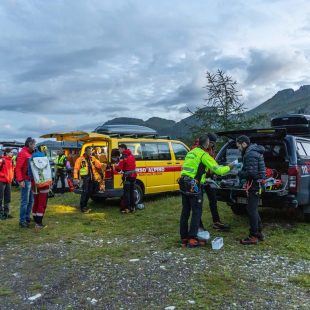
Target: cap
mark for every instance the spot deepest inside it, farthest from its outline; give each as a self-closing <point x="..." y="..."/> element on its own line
<point x="212" y="137"/>
<point x="42" y="148"/>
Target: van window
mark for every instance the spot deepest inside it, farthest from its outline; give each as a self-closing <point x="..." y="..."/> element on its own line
<point x="180" y="150"/>
<point x="164" y="151"/>
<point x="300" y="150"/>
<point x="136" y="150"/>
<point x="156" y="151"/>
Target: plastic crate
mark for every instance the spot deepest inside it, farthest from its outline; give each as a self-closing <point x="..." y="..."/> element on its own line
<point x="217" y="243"/>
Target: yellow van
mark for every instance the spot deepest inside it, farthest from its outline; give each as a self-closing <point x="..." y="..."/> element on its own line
<point x="159" y="160"/>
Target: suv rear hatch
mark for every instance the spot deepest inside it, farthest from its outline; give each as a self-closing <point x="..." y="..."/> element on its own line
<point x="276" y="159"/>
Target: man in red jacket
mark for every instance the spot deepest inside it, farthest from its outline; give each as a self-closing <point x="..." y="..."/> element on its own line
<point x="24" y="182"/>
<point x="6" y="178"/>
<point x="127" y="166"/>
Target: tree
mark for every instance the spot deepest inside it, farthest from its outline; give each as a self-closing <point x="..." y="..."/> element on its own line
<point x="223" y="110"/>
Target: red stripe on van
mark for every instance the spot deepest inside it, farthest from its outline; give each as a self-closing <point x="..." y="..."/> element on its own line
<point x="161" y="169"/>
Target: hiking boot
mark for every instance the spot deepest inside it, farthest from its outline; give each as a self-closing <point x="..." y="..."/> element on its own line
<point x="23" y="225"/>
<point x="249" y="240"/>
<point x="39" y="227"/>
<point x="193" y="243"/>
<point x="260" y="236"/>
<point x="221" y="226"/>
<point x="184" y="242"/>
<point x="85" y="210"/>
<point x="125" y="211"/>
<point x="202" y="242"/>
<point x="6" y="216"/>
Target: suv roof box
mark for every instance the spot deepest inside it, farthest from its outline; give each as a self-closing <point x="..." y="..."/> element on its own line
<point x="126" y="130"/>
<point x="296" y="124"/>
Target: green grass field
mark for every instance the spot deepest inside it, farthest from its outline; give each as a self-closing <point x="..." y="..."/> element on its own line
<point x="216" y="279"/>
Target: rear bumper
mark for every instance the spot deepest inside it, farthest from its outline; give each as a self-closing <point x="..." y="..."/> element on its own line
<point x="109" y="193"/>
<point x="273" y="199"/>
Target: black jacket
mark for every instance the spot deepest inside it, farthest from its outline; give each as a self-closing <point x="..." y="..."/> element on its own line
<point x="253" y="163"/>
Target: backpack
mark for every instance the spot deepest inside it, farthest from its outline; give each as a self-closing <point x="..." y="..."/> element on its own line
<point x="41" y="171"/>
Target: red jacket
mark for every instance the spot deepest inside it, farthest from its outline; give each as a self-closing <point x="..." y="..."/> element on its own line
<point x="21" y="169"/>
<point x="127" y="163"/>
<point x="6" y="169"/>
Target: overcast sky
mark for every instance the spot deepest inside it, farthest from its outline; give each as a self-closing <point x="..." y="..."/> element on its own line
<point x="73" y="64"/>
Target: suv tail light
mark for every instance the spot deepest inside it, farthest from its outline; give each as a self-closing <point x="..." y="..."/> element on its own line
<point x="293" y="179"/>
<point x="109" y="173"/>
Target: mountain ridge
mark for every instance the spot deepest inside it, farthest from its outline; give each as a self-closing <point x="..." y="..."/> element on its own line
<point x="285" y="101"/>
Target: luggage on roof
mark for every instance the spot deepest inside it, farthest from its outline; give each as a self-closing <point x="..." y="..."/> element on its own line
<point x="126" y="130"/>
<point x="295" y="124"/>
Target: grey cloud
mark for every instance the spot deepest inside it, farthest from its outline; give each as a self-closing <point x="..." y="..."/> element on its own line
<point x="26" y="102"/>
<point x="229" y="63"/>
<point x="44" y="104"/>
<point x="264" y="66"/>
<point x="65" y="64"/>
<point x="184" y="94"/>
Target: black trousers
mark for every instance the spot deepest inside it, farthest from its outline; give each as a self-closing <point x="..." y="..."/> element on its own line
<point x="211" y="194"/>
<point x="60" y="174"/>
<point x="129" y="193"/>
<point x="191" y="205"/>
<point x="5" y="197"/>
<point x="87" y="190"/>
<point x="252" y="210"/>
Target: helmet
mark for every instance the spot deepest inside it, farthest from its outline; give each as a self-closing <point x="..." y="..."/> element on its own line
<point x="42" y="148"/>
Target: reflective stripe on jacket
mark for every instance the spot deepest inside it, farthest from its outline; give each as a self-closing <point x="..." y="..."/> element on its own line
<point x="81" y="166"/>
<point x="198" y="159"/>
<point x="60" y="161"/>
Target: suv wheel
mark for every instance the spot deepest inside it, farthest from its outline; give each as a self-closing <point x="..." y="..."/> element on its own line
<point x="138" y="194"/>
<point x="238" y="209"/>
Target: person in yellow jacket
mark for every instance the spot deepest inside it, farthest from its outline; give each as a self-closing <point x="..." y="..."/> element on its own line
<point x="85" y="170"/>
<point x="60" y="172"/>
<point x="194" y="168"/>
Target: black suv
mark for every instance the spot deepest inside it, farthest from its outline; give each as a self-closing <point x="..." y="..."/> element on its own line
<point x="287" y="153"/>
